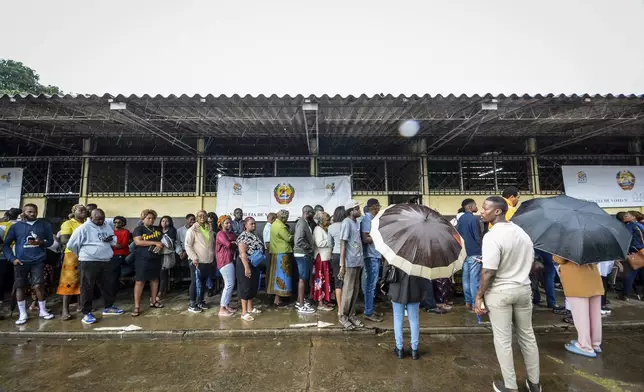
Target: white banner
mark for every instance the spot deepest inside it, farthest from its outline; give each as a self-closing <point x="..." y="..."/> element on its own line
<point x="608" y="186"/>
<point x="10" y="187"/>
<point x="259" y="196"/>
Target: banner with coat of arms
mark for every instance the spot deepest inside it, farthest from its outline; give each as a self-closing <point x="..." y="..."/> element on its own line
<point x="259" y="196"/>
<point x="10" y="187"/>
<point x="608" y="186"/>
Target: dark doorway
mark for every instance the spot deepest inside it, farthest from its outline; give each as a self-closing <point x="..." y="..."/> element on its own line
<point x="57" y="210"/>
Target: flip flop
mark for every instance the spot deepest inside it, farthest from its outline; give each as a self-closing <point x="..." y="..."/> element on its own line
<point x="136" y="312"/>
<point x="576" y="350"/>
<point x="66" y="317"/>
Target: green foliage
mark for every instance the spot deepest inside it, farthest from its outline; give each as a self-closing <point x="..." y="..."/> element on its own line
<point x="17" y="78"/>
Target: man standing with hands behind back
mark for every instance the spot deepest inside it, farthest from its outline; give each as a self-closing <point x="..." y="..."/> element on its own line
<point x="505" y="284"/>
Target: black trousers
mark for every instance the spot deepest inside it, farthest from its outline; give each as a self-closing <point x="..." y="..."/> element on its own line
<point x="605" y="281"/>
<point x="96" y="273"/>
<point x="205" y="270"/>
<point x="116" y="266"/>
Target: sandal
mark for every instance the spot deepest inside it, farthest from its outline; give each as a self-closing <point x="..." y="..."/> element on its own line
<point x="66" y="317"/>
<point x="136" y="312"/>
<point x="347" y="325"/>
<point x="255" y="311"/>
<point x="355" y="321"/>
<point x="157" y="305"/>
<point x="247" y="317"/>
<point x="568" y="320"/>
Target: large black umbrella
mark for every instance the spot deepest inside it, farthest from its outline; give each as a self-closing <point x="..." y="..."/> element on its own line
<point x="418" y="240"/>
<point x="574" y="229"/>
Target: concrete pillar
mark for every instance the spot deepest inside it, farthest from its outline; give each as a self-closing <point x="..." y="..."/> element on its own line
<point x="531" y="149"/>
<point x="87" y="150"/>
<point x="313" y="147"/>
<point x="420" y="148"/>
<point x="199" y="176"/>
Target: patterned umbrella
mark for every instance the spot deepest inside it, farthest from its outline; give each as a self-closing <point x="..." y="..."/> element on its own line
<point x="418" y="240"/>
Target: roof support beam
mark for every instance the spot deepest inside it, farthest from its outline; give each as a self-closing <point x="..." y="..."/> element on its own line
<point x="34" y="140"/>
<point x="311" y="122"/>
<point x="588" y="135"/>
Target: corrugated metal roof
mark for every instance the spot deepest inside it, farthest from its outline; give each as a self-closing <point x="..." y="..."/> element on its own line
<point x="374" y="119"/>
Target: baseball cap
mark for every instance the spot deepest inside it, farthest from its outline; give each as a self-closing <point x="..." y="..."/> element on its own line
<point x="351" y="204"/>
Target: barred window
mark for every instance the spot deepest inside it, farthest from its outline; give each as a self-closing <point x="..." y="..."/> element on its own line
<point x="215" y="169"/>
<point x="294" y="168"/>
<point x="258" y="168"/>
<point x="403" y="176"/>
<point x="179" y="176"/>
<point x="444" y="177"/>
<point x="107" y="176"/>
<point x="34" y="175"/>
<point x="143" y="177"/>
<point x="329" y="168"/>
<point x="551" y="178"/>
<point x="65" y="177"/>
<point x="368" y="176"/>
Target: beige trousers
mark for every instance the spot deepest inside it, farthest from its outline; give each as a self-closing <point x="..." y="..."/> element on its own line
<point x="506" y="306"/>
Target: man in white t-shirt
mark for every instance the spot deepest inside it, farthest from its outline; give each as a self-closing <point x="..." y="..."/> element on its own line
<point x="508" y="254"/>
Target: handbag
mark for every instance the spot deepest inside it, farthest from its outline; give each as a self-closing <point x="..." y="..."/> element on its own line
<point x="636" y="260"/>
<point x="257" y="258"/>
<point x="390" y="274"/>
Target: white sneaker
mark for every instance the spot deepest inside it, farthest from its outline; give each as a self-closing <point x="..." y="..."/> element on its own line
<point x="21" y="321"/>
<point x="46" y="316"/>
<point x="605" y="312"/>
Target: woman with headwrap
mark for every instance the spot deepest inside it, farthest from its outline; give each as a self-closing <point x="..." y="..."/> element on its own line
<point x="321" y="288"/>
<point x="69" y="284"/>
<point x="280" y="279"/>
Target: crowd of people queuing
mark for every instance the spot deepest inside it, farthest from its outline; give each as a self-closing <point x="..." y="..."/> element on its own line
<point x="324" y="261"/>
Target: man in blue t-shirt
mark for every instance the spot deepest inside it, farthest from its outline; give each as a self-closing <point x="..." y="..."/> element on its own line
<point x="32" y="237"/>
<point x="371" y="262"/>
<point x="469" y="226"/>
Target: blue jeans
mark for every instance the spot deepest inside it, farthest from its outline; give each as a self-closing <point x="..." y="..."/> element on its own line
<point x="471" y="278"/>
<point x="304" y="267"/>
<point x="414" y="326"/>
<point x="372" y="268"/>
<point x="429" y="301"/>
<point x="228" y="273"/>
<point x="549" y="273"/>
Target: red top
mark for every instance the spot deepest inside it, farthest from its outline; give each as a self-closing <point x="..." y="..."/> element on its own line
<point x="225" y="248"/>
<point x="123" y="239"/>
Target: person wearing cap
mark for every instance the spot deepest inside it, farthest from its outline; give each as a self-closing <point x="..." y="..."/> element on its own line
<point x="371" y="262"/>
<point x="351" y="264"/>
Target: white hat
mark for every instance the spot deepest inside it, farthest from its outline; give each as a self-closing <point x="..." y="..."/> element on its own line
<point x="351" y="204"/>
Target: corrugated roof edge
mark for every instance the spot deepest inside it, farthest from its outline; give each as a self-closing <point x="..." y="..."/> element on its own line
<point x="325" y="96"/>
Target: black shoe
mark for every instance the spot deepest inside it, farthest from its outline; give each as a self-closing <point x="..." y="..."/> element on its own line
<point x="415" y="354"/>
<point x="203" y="306"/>
<point x="194" y="309"/>
<point x="532" y="387"/>
<point x="399" y="353"/>
<point x="499" y="386"/>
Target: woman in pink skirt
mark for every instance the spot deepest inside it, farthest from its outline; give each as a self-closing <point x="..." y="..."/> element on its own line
<point x="321" y="287"/>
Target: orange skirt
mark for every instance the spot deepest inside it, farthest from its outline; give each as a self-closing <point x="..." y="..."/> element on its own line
<point x="69" y="276"/>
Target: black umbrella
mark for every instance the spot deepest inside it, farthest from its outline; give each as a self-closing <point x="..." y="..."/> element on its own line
<point x="574" y="229"/>
<point x="418" y="240"/>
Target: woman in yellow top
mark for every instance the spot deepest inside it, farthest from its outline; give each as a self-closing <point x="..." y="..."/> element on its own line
<point x="69" y="284"/>
<point x="280" y="281"/>
<point x="583" y="288"/>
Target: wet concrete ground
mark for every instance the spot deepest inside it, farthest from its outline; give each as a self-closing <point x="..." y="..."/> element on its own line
<point x="175" y="317"/>
<point x="347" y="364"/>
